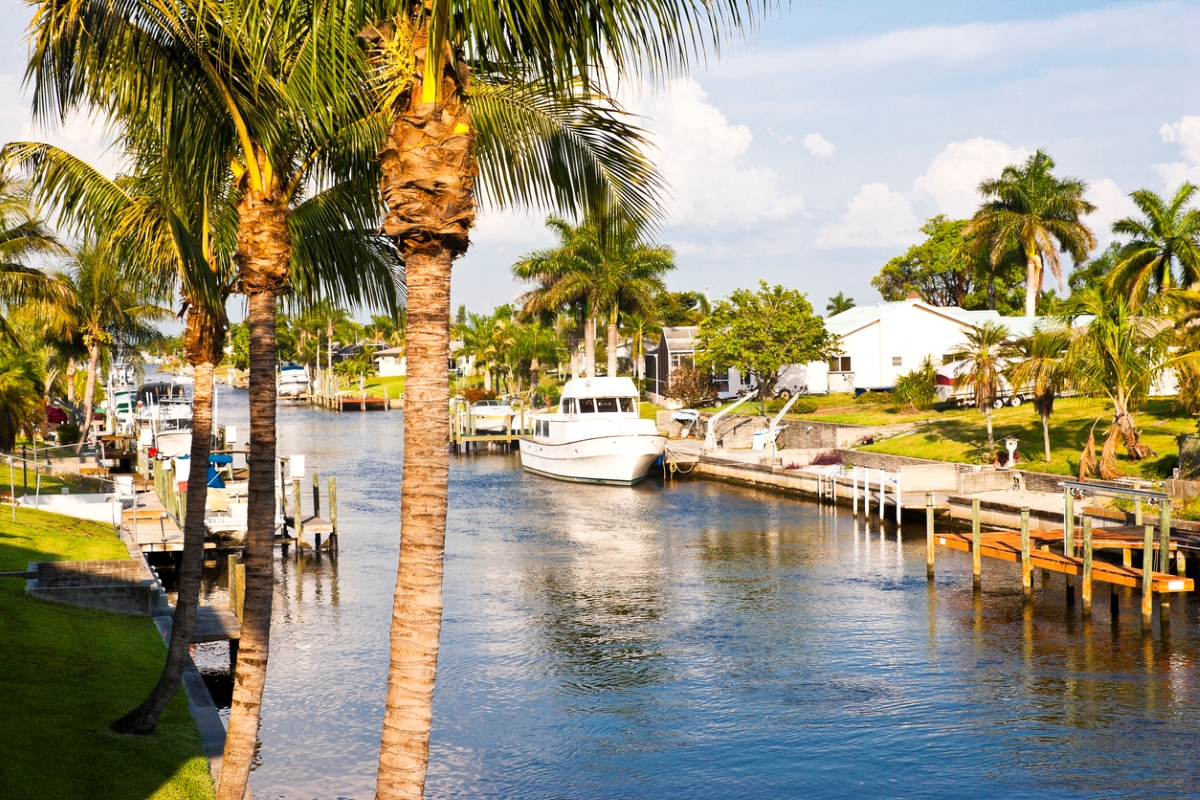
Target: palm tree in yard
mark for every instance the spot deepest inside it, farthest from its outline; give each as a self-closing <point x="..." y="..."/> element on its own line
<point x="984" y="358"/>
<point x="268" y="93"/>
<point x="1165" y="240"/>
<point x="1118" y="353"/>
<point x="23" y="237"/>
<point x="1030" y="210"/>
<point x="444" y="132"/>
<point x="839" y="303"/>
<point x="1039" y="365"/>
<point x="605" y="263"/>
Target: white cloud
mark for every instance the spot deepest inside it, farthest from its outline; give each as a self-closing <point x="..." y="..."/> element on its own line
<point x="703" y="158"/>
<point x="818" y="145"/>
<point x="1185" y="133"/>
<point x="952" y="181"/>
<point x="781" y="139"/>
<point x="1112" y="204"/>
<point x="876" y="217"/>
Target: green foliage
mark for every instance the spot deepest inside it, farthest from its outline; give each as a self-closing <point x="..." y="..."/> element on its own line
<point x="762" y="333"/>
<point x="944" y="270"/>
<point x="1165" y="241"/>
<point x="678" y="309"/>
<point x="873" y="398"/>
<point x="692" y="387"/>
<point x="839" y="303"/>
<point x="239" y="340"/>
<point x="802" y="406"/>
<point x="68" y="433"/>
<point x="21" y="401"/>
<point x="918" y="389"/>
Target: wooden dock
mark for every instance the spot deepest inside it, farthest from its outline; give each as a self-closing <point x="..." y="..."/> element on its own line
<point x="465" y="435"/>
<point x="349" y="401"/>
<point x="216" y="624"/>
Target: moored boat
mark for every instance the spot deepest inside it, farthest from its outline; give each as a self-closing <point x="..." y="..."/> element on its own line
<point x="595" y="436"/>
<point x="491" y="416"/>
<point x="294" y="381"/>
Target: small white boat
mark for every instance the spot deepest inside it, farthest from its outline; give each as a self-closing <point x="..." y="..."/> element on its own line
<point x="596" y="436"/>
<point x="491" y="416"/>
<point x="294" y="381"/>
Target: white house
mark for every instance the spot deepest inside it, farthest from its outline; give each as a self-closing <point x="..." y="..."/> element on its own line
<point x="882" y="342"/>
<point x="390" y="362"/>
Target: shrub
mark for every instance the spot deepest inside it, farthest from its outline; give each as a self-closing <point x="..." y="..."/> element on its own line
<point x="801" y="406"/>
<point x="826" y="459"/>
<point x="475" y="395"/>
<point x="68" y="433"/>
<point x="917" y="390"/>
<point x="692" y="387"/>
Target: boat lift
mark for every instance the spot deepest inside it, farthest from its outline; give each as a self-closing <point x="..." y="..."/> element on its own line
<point x="710" y="434"/>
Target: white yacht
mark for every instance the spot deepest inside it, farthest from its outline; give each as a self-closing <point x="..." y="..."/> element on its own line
<point x="294" y="381"/>
<point x="491" y="416"/>
<point x="164" y="413"/>
<point x="596" y="435"/>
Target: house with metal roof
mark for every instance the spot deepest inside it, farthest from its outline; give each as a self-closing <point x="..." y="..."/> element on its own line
<point x="676" y="348"/>
<point x="882" y="342"/>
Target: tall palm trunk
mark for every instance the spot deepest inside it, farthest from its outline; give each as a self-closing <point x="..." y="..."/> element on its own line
<point x="89" y="391"/>
<point x="1033" y="281"/>
<point x="534" y="366"/>
<point x="264" y="249"/>
<point x="613" y="340"/>
<point x="204" y="342"/>
<point x="428" y="184"/>
<point x="589" y="347"/>
<point x="574" y="359"/>
<point x="71" y="380"/>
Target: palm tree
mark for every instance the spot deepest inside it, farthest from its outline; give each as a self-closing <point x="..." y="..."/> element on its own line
<point x="23" y="234"/>
<point x="21" y="380"/>
<point x="1032" y="211"/>
<point x="1040" y="366"/>
<point x="177" y="234"/>
<point x="1168" y="237"/>
<point x="984" y="358"/>
<point x="637" y="328"/>
<point x="1118" y="353"/>
<point x="530" y="146"/>
<point x="604" y="263"/>
<point x="535" y="343"/>
<point x="839" y="303"/>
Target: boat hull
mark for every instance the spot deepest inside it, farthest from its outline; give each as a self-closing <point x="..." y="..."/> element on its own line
<point x="172" y="444"/>
<point x="622" y="460"/>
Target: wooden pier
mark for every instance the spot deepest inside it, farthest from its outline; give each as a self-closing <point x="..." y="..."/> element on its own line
<point x="465" y="434"/>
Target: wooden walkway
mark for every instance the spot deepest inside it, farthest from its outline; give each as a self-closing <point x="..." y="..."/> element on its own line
<point x="154" y="530"/>
<point x="216" y="624"/>
<point x="1007" y="547"/>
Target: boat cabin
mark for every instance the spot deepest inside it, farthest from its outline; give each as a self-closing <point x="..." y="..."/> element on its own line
<point x="590" y="407"/>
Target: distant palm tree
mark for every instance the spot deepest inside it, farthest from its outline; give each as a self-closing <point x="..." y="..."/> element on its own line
<point x="1040" y="367"/>
<point x="839" y="303"/>
<point x="985" y="356"/>
<point x="604" y="262"/>
<point x="1030" y="210"/>
<point x="1166" y="238"/>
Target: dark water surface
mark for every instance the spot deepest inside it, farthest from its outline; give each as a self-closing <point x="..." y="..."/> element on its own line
<point x="701" y="640"/>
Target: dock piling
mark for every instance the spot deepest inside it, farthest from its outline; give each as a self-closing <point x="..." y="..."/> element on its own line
<point x="897" y="499"/>
<point x="929" y="535"/>
<point x="1164" y="549"/>
<point x="976" y="556"/>
<point x="1026" y="569"/>
<point x="854" y="489"/>
<point x="333" y="537"/>
<point x="1137" y="505"/>
<point x="1147" y="571"/>
<point x="882" y="495"/>
<point x="1087" y="566"/>
<point x="1068" y="523"/>
<point x="297" y="515"/>
<point x="867" y="493"/>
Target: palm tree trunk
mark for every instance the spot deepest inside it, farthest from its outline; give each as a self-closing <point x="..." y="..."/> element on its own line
<point x="264" y="248"/>
<point x="253" y="647"/>
<point x="417" y="607"/>
<point x="71" y="380"/>
<point x="589" y="347"/>
<point x="1123" y="422"/>
<point x="613" y="341"/>
<point x="144" y="718"/>
<point x="574" y="348"/>
<point x="1033" y="283"/>
<point x="89" y="392"/>
<point x="533" y="380"/>
<point x="1046" y="435"/>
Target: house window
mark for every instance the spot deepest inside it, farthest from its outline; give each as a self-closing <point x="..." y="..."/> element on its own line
<point x="681" y="360"/>
<point x="839" y="364"/>
<point x="897" y="361"/>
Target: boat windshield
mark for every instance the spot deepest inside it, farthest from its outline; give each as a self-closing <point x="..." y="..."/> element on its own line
<point x="601" y="405"/>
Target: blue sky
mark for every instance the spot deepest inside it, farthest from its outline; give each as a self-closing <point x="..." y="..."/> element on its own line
<point x="810" y="155"/>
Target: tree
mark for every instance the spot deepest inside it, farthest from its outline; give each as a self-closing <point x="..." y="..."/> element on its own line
<point x="604" y="263"/>
<point x="984" y="358"/>
<point x="761" y="334"/>
<point x="533" y="345"/>
<point x="637" y="328"/>
<point x="944" y="270"/>
<point x="839" y="303"/>
<point x="918" y="389"/>
<point x="1166" y="239"/>
<point x="692" y="387"/>
<point x="1039" y="366"/>
<point x="1118" y="353"/>
<point x="1037" y="214"/>
<point x="21" y="380"/>
<point x="677" y="309"/>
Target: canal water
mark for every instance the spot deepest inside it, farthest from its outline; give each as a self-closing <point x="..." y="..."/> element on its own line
<point x="696" y="639"/>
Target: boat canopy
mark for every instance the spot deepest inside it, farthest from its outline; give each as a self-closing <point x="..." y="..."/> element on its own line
<point x="600" y="387"/>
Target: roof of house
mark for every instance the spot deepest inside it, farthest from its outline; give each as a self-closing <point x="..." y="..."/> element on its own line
<point x="679" y="340"/>
<point x="859" y="317"/>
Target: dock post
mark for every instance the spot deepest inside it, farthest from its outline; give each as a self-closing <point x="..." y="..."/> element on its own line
<point x="1147" y="573"/>
<point x="1164" y="550"/>
<point x="882" y="495"/>
<point x="897" y="499"/>
<point x="316" y="508"/>
<point x="854" y="489"/>
<point x="929" y="535"/>
<point x="1026" y="568"/>
<point x="1087" y="566"/>
<point x="1068" y="523"/>
<point x="976" y="556"/>
<point x="1137" y="505"/>
<point x="297" y="515"/>
<point x="867" y="493"/>
<point x="333" y="537"/>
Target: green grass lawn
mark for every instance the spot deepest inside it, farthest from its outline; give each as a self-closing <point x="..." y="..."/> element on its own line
<point x="69" y="672"/>
<point x="375" y="385"/>
<point x="960" y="436"/>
